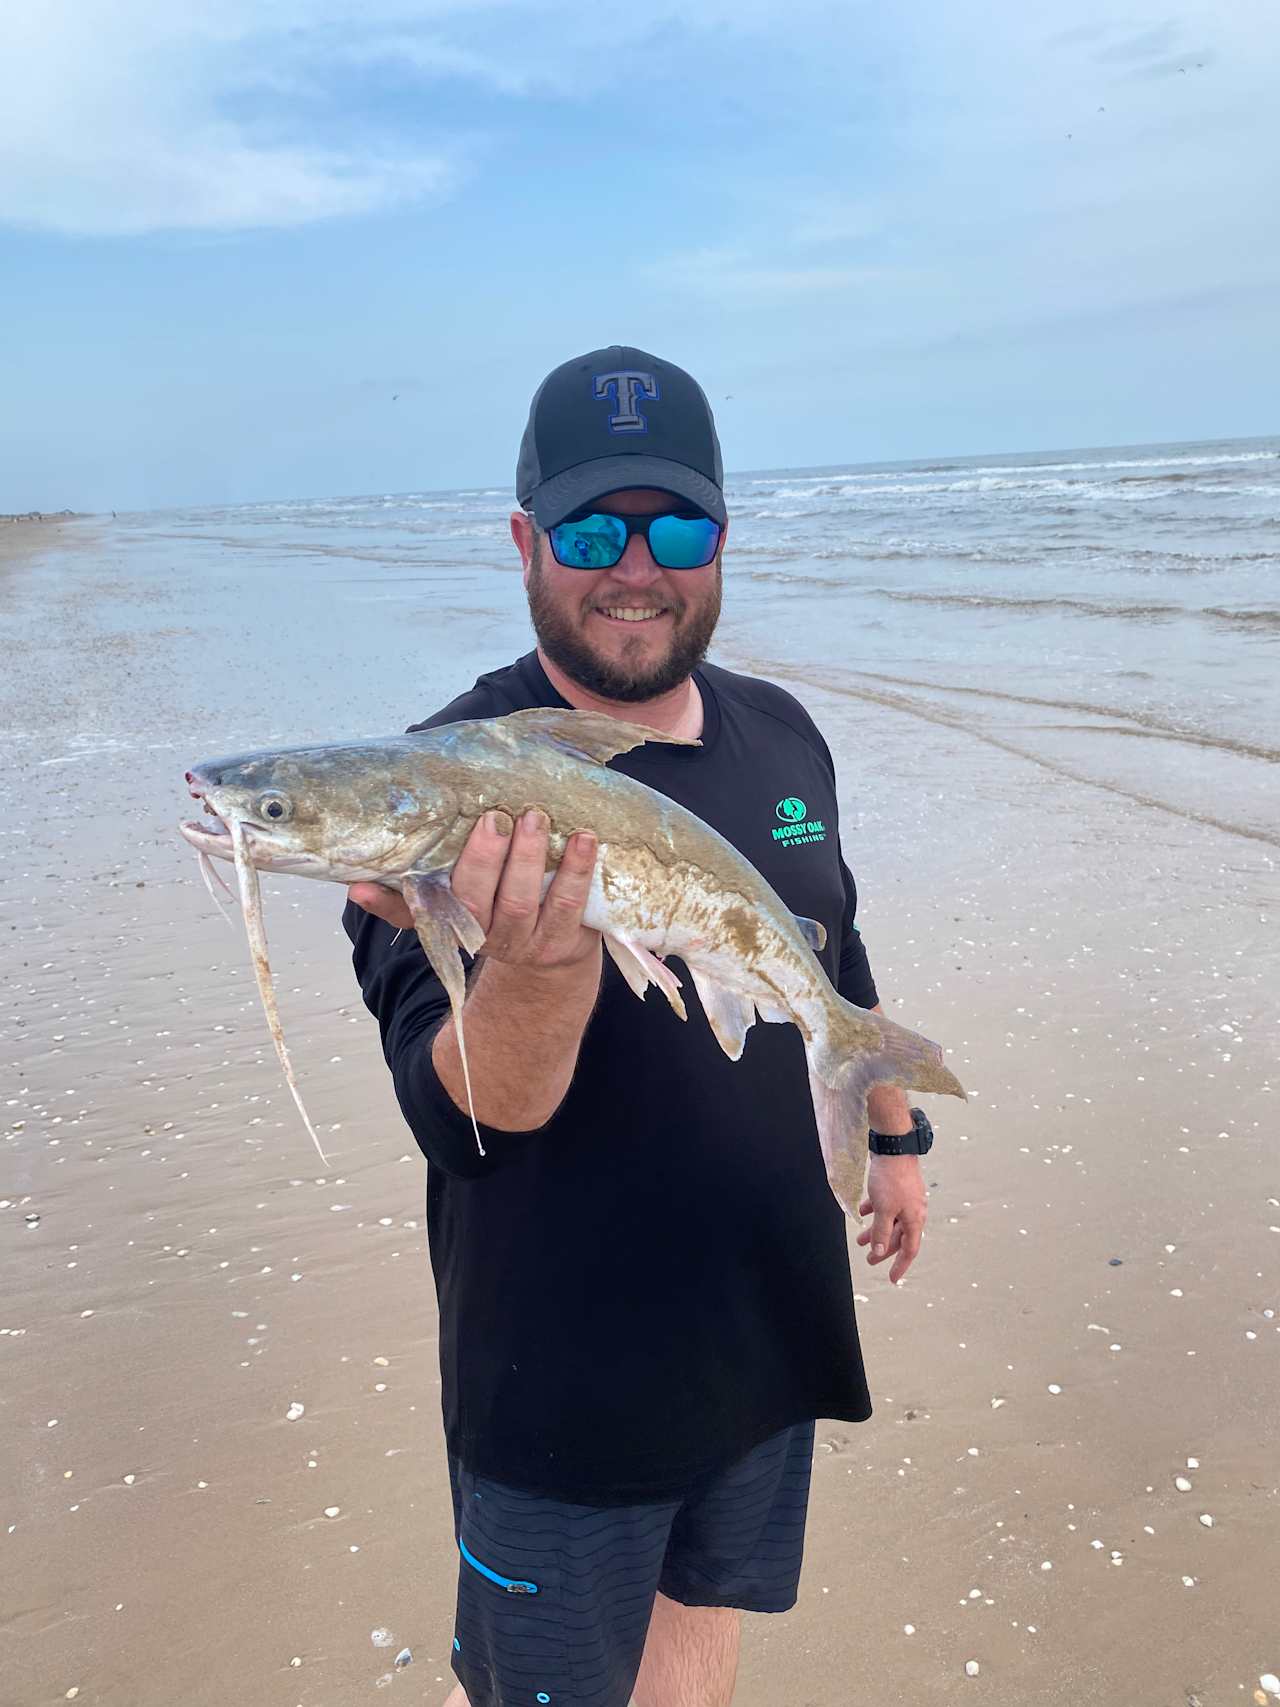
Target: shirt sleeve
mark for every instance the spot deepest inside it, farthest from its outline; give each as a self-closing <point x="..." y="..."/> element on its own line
<point x="410" y="1004"/>
<point x="855" y="982"/>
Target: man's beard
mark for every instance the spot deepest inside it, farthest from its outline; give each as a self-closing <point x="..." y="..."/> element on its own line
<point x="565" y="646"/>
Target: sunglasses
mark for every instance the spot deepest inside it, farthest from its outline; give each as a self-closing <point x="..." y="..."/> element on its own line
<point x="598" y="541"/>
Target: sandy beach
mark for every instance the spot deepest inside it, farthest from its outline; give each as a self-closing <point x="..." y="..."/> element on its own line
<point x="1074" y="893"/>
<point x="21" y="538"/>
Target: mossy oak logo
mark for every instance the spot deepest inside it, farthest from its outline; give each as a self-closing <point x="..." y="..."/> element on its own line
<point x="797" y="826"/>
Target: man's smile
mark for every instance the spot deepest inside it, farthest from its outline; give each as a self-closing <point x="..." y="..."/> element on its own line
<point x="631" y="613"/>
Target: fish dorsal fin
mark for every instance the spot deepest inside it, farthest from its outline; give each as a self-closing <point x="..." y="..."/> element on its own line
<point x="814" y="934"/>
<point x="588" y="734"/>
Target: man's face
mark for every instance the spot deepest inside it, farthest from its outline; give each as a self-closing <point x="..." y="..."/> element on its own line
<point x="576" y="612"/>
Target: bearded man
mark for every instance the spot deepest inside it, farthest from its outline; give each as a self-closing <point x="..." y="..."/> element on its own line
<point x="644" y="1286"/>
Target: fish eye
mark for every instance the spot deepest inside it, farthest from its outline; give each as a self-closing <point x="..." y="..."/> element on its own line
<point x="275" y="807"/>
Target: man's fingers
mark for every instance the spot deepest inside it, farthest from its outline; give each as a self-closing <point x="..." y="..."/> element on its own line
<point x="499" y="878"/>
<point x="515" y="906"/>
<point x="879" y="1238"/>
<point x="908" y="1251"/>
<point x="880" y="1230"/>
<point x="478" y="871"/>
<point x="385" y="903"/>
<point x="566" y="900"/>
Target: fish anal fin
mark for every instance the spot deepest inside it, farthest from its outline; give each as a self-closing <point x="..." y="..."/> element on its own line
<point x="814" y="933"/>
<point x="589" y="734"/>
<point x="640" y="969"/>
<point x="441" y="922"/>
<point x="729" y="1015"/>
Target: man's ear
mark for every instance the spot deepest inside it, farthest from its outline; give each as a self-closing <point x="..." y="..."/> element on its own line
<point x="522" y="532"/>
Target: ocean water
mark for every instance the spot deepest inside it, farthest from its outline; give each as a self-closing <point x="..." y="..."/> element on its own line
<point x="1099" y="626"/>
<point x="1128" y="593"/>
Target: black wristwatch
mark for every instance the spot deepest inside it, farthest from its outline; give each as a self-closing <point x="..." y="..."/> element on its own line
<point x="917" y="1142"/>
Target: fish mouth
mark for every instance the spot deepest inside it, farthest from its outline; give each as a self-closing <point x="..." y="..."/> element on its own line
<point x="214" y="838"/>
<point x="212" y="834"/>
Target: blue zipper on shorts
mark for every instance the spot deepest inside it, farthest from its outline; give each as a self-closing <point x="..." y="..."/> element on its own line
<point x="512" y="1585"/>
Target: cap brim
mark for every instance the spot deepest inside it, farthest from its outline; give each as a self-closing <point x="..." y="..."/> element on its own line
<point x="570" y="490"/>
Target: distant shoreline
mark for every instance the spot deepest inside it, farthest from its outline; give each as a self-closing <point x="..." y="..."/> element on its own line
<point x="30" y="536"/>
<point x="44" y="516"/>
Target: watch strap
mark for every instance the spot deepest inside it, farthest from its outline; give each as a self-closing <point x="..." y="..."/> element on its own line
<point x="917" y="1142"/>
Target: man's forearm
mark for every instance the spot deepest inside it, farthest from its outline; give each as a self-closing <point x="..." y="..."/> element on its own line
<point x="524" y="1028"/>
<point x="888" y="1110"/>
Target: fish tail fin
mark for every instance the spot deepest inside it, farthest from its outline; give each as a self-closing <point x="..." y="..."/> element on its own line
<point x="861" y="1049"/>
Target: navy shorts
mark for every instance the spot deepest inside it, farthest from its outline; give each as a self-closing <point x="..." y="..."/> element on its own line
<point x="554" y="1599"/>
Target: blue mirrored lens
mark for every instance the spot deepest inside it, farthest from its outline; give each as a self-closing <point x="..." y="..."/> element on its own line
<point x="595" y="542"/>
<point x="683" y="542"/>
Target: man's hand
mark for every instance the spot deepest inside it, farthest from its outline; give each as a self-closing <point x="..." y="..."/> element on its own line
<point x="897" y="1195"/>
<point x="539" y="969"/>
<point x="498" y="878"/>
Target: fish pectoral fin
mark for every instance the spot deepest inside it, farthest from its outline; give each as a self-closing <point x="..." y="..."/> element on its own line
<point x="814" y="933"/>
<point x="640" y="969"/>
<point x="729" y="1015"/>
<point x="433" y="893"/>
<point x="588" y="734"/>
<point x="438" y="918"/>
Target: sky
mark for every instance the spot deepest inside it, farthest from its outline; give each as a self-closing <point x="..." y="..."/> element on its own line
<point x="255" y="249"/>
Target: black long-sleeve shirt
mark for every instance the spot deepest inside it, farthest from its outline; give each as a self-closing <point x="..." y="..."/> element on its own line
<point x="657" y="1279"/>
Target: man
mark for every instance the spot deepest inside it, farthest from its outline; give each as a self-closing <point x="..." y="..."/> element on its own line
<point x="644" y="1287"/>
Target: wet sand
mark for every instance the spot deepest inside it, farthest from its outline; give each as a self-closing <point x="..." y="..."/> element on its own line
<point x="1095" y="1305"/>
<point x="20" y="540"/>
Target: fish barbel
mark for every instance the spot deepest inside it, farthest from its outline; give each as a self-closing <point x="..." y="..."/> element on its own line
<point x="399" y="811"/>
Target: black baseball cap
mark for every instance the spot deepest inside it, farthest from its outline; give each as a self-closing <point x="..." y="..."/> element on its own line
<point x="614" y="418"/>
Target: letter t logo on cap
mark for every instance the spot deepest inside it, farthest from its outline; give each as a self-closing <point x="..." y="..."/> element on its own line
<point x="623" y="389"/>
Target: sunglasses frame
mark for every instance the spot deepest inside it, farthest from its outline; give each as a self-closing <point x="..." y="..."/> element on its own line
<point x="636" y="524"/>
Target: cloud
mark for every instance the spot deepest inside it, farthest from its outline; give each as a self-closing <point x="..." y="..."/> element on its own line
<point x="736" y="275"/>
<point x="120" y="117"/>
<point x="1020" y="174"/>
<point x="902" y="139"/>
<point x="1147" y="44"/>
<point x="835" y="218"/>
<point x="210" y="180"/>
